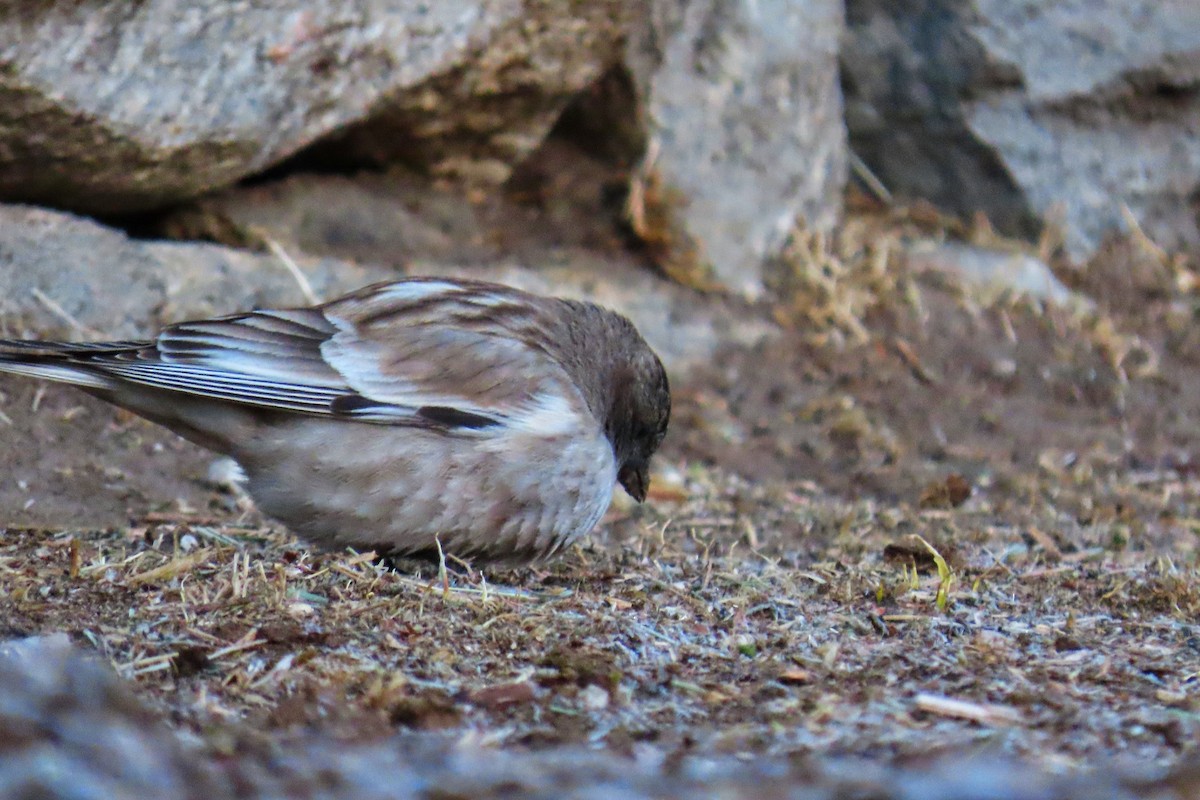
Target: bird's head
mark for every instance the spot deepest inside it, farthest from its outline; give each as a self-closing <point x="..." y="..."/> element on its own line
<point x="638" y="418"/>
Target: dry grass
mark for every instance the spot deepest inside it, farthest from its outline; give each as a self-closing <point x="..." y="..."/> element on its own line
<point x="907" y="569"/>
<point x="701" y="626"/>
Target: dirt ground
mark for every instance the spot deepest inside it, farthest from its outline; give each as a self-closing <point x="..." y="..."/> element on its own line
<point x="965" y="524"/>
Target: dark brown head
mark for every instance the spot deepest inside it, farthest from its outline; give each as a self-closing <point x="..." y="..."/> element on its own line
<point x="624" y="384"/>
<point x="638" y="420"/>
<point x="638" y="408"/>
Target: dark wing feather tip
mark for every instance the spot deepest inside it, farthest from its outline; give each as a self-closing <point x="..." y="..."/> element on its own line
<point x="349" y="404"/>
<point x="456" y="418"/>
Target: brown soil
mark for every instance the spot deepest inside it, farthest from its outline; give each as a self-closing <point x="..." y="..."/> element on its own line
<point x="971" y="499"/>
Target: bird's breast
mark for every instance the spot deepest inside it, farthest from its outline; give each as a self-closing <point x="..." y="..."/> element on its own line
<point x="513" y="495"/>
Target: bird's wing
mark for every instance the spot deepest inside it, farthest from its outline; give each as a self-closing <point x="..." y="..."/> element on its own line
<point x="457" y="349"/>
<point x="270" y="359"/>
<point x="445" y="354"/>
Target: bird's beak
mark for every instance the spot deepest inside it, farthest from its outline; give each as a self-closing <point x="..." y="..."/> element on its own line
<point x="635" y="478"/>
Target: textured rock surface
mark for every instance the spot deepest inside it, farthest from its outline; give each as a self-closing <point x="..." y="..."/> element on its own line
<point x="55" y="266"/>
<point x="1015" y="272"/>
<point x="744" y="118"/>
<point x="68" y="276"/>
<point x="69" y="728"/>
<point x="1033" y="111"/>
<point x="117" y="107"/>
<point x="112" y="109"/>
<point x="476" y="120"/>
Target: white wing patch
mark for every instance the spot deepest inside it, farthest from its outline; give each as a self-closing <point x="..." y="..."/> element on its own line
<point x="548" y="415"/>
<point x="414" y="291"/>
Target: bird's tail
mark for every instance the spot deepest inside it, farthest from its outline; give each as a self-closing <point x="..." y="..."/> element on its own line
<point x="63" y="362"/>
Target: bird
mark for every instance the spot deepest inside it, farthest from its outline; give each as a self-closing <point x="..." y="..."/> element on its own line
<point x="418" y="417"/>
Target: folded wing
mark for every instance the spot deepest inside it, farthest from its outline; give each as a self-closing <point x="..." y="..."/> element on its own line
<point x="456" y="356"/>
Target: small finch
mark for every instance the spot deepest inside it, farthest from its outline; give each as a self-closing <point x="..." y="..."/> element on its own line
<point x="405" y="415"/>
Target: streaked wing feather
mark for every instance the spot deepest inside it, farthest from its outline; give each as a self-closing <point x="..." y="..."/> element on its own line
<point x="281" y="345"/>
<point x="468" y="346"/>
<point x="235" y="387"/>
<point x="453" y="355"/>
<point x="34" y="347"/>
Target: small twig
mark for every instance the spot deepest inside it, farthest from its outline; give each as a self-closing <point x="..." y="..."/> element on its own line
<point x="1140" y="236"/>
<point x="236" y="648"/>
<point x="170" y="569"/>
<point x="443" y="575"/>
<point x="983" y="713"/>
<point x="301" y="279"/>
<point x="145" y="665"/>
<point x="60" y="312"/>
<point x="36" y="403"/>
<point x="169" y="517"/>
<point x="869" y="178"/>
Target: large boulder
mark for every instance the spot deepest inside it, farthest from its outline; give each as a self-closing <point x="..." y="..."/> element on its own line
<point x="743" y="114"/>
<point x="67" y="276"/>
<point x="734" y="106"/>
<point x="117" y="107"/>
<point x="1033" y="112"/>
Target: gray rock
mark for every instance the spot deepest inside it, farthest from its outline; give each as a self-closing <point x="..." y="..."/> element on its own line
<point x="995" y="269"/>
<point x="109" y="109"/>
<point x="66" y="276"/>
<point x="744" y="117"/>
<point x="1033" y="112"/>
<point x="412" y="228"/>
<point x="71" y="730"/>
<point x="116" y="107"/>
<point x="389" y="219"/>
<point x="685" y="327"/>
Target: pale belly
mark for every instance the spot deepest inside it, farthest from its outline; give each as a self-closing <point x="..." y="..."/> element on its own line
<point x="404" y="490"/>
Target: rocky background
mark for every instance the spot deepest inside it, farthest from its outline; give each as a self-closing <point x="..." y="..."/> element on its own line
<point x="847" y="226"/>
